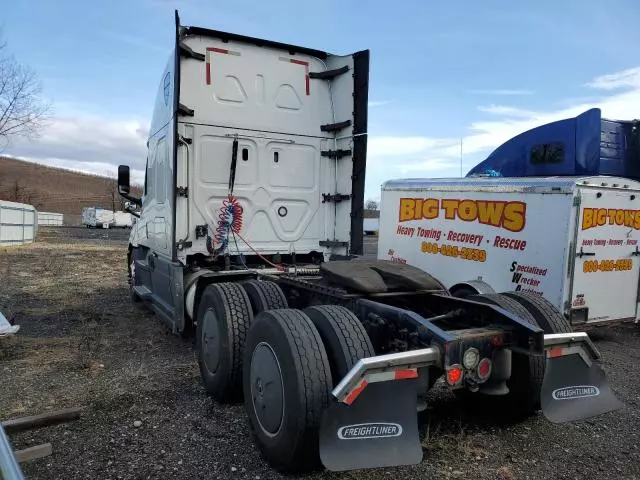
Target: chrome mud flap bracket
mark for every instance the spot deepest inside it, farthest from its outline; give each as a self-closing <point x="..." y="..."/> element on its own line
<point x="372" y="419"/>
<point x="574" y="386"/>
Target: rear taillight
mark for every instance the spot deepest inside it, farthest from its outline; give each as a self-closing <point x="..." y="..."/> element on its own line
<point x="454" y="375"/>
<point x="484" y="369"/>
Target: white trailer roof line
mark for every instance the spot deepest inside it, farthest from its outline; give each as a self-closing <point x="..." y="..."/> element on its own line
<point x="513" y="184"/>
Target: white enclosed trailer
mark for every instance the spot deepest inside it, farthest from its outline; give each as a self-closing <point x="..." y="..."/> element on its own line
<point x="572" y="240"/>
<point x="96" y="217"/>
<point x="122" y="219"/>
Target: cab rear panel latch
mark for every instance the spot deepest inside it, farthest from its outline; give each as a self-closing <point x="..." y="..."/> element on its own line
<point x="334" y="197"/>
<point x="335" y="153"/>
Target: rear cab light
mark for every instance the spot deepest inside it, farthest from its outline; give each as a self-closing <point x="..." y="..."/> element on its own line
<point x="472" y="351"/>
<point x="454" y="375"/>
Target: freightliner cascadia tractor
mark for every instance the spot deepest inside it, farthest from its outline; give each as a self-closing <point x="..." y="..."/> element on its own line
<point x="249" y="237"/>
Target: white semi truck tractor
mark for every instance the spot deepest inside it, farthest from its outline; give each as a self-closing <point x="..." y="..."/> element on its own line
<point x="249" y="235"/>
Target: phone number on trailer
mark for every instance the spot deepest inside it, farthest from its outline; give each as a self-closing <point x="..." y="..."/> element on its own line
<point x="621" y="265"/>
<point x="473" y="254"/>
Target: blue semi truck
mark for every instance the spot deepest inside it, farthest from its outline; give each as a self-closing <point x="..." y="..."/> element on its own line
<point x="581" y="146"/>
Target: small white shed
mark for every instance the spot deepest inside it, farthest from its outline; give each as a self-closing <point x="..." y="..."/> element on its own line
<point x="18" y="223"/>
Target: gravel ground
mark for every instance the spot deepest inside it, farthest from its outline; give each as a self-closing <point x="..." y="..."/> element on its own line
<point x="83" y="344"/>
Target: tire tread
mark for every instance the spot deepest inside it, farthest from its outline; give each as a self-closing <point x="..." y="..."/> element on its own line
<point x="545" y="313"/>
<point x="352" y="336"/>
<point x="265" y="295"/>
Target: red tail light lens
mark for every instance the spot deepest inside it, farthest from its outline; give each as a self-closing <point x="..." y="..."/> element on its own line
<point x="454" y="375"/>
<point x="484" y="369"/>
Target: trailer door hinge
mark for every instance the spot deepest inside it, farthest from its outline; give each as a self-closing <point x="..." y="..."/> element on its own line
<point x="576" y="201"/>
<point x="333" y="243"/>
<point x="201" y="231"/>
<point x="335" y="153"/>
<point x="182" y="192"/>
<point x="334" y="197"/>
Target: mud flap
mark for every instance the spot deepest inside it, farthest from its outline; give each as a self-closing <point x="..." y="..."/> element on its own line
<point x="379" y="429"/>
<point x="573" y="390"/>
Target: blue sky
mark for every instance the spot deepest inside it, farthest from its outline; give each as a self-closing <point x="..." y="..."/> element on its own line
<point x="440" y="71"/>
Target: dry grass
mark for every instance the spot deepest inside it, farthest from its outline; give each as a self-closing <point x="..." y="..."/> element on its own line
<point x="452" y="439"/>
<point x="61" y="295"/>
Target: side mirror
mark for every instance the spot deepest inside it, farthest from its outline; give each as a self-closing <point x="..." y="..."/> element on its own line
<point x="124" y="185"/>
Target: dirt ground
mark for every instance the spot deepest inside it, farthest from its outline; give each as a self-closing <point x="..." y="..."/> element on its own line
<point x="82" y="343"/>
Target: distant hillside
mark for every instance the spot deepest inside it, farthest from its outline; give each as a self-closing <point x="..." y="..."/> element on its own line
<point x="56" y="190"/>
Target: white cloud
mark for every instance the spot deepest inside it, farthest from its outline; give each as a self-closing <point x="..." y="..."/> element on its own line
<point x="430" y="166"/>
<point x="506" y="111"/>
<point x="626" y="78"/>
<point x="87" y="141"/>
<point x="502" y="92"/>
<point x="385" y="146"/>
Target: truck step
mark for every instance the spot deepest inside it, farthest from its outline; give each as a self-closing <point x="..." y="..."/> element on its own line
<point x="142" y="291"/>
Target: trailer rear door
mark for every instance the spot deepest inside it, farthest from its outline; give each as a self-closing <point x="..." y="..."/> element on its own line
<point x="607" y="263"/>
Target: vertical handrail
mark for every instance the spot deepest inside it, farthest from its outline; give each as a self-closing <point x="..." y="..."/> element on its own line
<point x="9" y="466"/>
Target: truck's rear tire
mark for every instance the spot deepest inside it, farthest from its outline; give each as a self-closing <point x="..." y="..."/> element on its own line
<point x="545" y="313"/>
<point x="286" y="383"/>
<point x="343" y="336"/>
<point x="265" y="295"/>
<point x="223" y="320"/>
<point x="527" y="371"/>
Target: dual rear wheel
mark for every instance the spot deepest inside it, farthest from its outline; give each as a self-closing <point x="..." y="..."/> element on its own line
<point x="282" y="361"/>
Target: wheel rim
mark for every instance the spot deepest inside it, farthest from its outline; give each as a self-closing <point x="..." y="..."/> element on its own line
<point x="211" y="341"/>
<point x="267" y="390"/>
